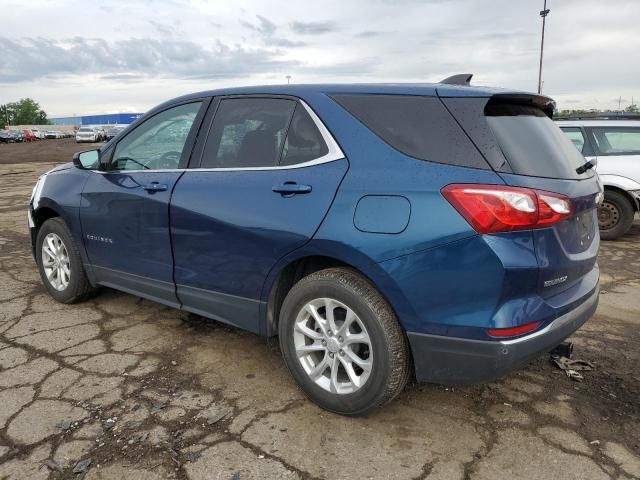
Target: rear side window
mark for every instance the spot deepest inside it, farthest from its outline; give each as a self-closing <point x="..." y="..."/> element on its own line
<point x="418" y="126"/>
<point x="576" y="136"/>
<point x="248" y="132"/>
<point x="304" y="141"/>
<point x="532" y="144"/>
<point x="617" y="140"/>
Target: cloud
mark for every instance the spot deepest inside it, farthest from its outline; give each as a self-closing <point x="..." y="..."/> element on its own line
<point x="368" y="34"/>
<point x="265" y="26"/>
<point x="283" y="42"/>
<point x="313" y="28"/>
<point x="33" y="58"/>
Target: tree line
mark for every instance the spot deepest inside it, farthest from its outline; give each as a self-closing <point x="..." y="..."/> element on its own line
<point x="23" y="112"/>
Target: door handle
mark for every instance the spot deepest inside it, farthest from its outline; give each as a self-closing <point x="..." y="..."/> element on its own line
<point x="288" y="189"/>
<point x="155" y="187"/>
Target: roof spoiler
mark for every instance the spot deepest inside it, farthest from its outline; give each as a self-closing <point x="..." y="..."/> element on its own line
<point x="459" y="79"/>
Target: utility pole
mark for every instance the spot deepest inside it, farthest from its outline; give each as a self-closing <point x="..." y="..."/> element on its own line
<point x="543" y="13"/>
<point x="288" y="79"/>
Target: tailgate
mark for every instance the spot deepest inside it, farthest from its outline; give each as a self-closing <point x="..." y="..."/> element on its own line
<point x="524" y="146"/>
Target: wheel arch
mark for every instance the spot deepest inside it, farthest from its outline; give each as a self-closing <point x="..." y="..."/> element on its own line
<point x="634" y="202"/>
<point x="39" y="216"/>
<point x="294" y="267"/>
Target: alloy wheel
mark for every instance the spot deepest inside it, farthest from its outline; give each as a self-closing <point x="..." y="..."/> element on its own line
<point x="333" y="346"/>
<point x="55" y="262"/>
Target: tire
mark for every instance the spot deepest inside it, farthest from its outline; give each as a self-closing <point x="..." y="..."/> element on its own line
<point x="77" y="287"/>
<point x="615" y="216"/>
<point x="385" y="353"/>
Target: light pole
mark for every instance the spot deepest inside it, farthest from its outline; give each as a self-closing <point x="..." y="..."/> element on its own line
<point x="543" y="13"/>
<point x="288" y="79"/>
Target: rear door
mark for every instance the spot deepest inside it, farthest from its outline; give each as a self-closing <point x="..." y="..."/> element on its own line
<point x="536" y="154"/>
<point x="267" y="176"/>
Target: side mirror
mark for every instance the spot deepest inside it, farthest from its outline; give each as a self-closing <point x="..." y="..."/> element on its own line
<point x="87" y="160"/>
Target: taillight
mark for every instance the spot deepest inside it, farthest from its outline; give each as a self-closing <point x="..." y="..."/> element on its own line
<point x="496" y="208"/>
<point x="513" y="331"/>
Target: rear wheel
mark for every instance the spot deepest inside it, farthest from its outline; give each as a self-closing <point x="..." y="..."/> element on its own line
<point x="342" y="342"/>
<point x="615" y="216"/>
<point x="60" y="264"/>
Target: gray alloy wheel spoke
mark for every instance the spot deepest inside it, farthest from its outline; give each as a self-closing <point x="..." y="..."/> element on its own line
<point x="362" y="363"/>
<point x="55" y="262"/>
<point x="333" y="346"/>
<point x="320" y="322"/>
<point x="348" y="321"/>
<point x="335" y="365"/>
<point x="307" y="332"/>
<point x="329" y="309"/>
<point x="319" y="369"/>
<point x="306" y="349"/>
<point x="356" y="338"/>
<point x="347" y="365"/>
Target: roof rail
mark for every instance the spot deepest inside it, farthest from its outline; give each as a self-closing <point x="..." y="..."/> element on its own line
<point x="459" y="79"/>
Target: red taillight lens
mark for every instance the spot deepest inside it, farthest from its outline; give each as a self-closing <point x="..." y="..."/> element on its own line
<point x="513" y="331"/>
<point x="496" y="208"/>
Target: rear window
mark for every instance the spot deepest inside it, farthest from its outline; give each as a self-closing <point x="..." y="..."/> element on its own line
<point x="617" y="140"/>
<point x="532" y="144"/>
<point x="85" y="130"/>
<point x="418" y="126"/>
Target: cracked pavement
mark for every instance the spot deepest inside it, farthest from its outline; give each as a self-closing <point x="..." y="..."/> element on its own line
<point x="146" y="392"/>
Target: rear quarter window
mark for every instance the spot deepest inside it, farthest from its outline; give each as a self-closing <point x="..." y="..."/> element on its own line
<point x="418" y="126"/>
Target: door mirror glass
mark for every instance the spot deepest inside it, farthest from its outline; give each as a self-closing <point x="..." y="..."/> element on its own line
<point x="88" y="160"/>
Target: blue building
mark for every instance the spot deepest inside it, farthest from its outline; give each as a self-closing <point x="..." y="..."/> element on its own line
<point x="109" y="118"/>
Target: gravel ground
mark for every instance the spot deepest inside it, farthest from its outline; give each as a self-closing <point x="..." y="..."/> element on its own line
<point x="119" y="387"/>
<point x="50" y="150"/>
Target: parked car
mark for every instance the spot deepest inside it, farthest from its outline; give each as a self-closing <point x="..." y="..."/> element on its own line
<point x="614" y="146"/>
<point x="6" y="137"/>
<point x="86" y="134"/>
<point x="113" y="131"/>
<point x="50" y="134"/>
<point x="378" y="230"/>
<point x="38" y="133"/>
<point x="17" y="135"/>
<point x="28" y="136"/>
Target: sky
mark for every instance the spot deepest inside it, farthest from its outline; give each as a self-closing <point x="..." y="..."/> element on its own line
<point x="79" y="57"/>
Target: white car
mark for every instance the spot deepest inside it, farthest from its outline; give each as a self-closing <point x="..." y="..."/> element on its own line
<point x="38" y="133"/>
<point x="86" y="134"/>
<point x="614" y="145"/>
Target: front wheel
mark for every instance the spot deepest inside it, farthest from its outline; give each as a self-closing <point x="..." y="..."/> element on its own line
<point x="342" y="342"/>
<point x="60" y="264"/>
<point x="615" y="216"/>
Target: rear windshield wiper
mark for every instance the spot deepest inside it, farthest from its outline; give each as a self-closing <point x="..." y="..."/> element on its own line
<point x="588" y="165"/>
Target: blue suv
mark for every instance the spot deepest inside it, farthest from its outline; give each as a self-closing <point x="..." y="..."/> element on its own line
<point x="437" y="231"/>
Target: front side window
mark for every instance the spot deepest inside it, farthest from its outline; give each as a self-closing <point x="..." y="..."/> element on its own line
<point x="576" y="136"/>
<point x="617" y="140"/>
<point x="157" y="143"/>
<point x="248" y="132"/>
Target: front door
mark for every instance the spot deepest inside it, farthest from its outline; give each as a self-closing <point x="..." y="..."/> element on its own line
<point x="268" y="175"/>
<point x="125" y="210"/>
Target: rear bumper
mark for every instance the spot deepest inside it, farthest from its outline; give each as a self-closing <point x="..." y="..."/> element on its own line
<point x="450" y="360"/>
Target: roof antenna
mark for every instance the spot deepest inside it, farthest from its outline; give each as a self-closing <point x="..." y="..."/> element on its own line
<point x="459" y="79"/>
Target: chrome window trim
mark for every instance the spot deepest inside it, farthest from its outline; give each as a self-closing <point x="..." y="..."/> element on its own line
<point x="334" y="153"/>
